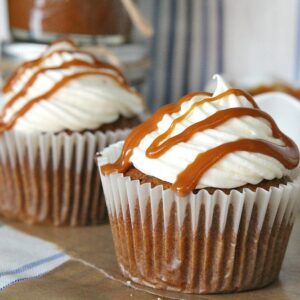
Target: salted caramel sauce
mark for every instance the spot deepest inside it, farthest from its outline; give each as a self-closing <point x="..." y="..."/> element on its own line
<point x="156" y="149"/>
<point x="163" y="136"/>
<point x="187" y="180"/>
<point x="96" y="64"/>
<point x="137" y="134"/>
<point x="4" y="126"/>
<point x="30" y="64"/>
<point x="73" y="63"/>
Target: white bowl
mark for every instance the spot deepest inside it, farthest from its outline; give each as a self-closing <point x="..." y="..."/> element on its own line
<point x="285" y="110"/>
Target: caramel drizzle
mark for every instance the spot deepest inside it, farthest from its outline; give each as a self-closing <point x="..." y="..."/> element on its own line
<point x="187" y="180"/>
<point x="30" y="64"/>
<point x="68" y="64"/>
<point x="193" y="106"/>
<point x="117" y="76"/>
<point x="53" y="90"/>
<point x="137" y="134"/>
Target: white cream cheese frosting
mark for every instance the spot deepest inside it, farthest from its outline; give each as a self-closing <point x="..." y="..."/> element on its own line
<point x="233" y="170"/>
<point x="95" y="94"/>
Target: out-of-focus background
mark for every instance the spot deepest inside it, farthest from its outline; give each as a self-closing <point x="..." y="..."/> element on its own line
<point x="253" y="42"/>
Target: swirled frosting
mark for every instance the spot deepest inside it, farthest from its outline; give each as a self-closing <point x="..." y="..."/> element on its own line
<point x="222" y="140"/>
<point x="66" y="89"/>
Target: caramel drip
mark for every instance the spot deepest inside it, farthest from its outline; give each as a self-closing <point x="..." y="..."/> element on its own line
<point x="7" y="87"/>
<point x="187" y="180"/>
<point x="74" y="63"/>
<point x="30" y="64"/>
<point x="137" y="134"/>
<point x="53" y="90"/>
<point x="197" y="104"/>
<point x="158" y="148"/>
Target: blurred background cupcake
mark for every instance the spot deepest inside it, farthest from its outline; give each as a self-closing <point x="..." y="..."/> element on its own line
<point x="58" y="111"/>
<point x="206" y="196"/>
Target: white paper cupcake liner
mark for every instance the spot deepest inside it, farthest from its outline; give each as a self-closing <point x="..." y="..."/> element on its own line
<point x="201" y="243"/>
<point x="52" y="178"/>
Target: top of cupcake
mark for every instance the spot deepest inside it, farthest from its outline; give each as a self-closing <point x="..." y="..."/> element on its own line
<point x="66" y="89"/>
<point x="220" y="140"/>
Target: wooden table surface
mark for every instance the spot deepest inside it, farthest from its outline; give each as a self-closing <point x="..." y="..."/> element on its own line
<point x="92" y="273"/>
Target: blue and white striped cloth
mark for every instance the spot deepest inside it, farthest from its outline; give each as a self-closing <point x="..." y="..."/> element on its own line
<point x="196" y="38"/>
<point x="24" y="257"/>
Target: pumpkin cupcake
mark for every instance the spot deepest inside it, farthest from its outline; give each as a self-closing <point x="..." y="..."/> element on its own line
<point x="200" y="197"/>
<point x="58" y="111"/>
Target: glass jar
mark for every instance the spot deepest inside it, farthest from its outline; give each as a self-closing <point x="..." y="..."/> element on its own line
<point x="85" y="21"/>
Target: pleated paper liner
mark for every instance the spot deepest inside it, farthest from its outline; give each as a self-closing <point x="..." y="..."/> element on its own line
<point x="201" y="243"/>
<point x="52" y="178"/>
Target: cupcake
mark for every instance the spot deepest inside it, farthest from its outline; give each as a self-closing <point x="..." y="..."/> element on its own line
<point x="58" y="111"/>
<point x="275" y="87"/>
<point x="201" y="197"/>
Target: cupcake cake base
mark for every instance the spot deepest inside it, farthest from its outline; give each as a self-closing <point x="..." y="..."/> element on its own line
<point x="216" y="242"/>
<point x="192" y="262"/>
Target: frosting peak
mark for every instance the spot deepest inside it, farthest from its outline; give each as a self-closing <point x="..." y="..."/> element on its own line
<point x="66" y="89"/>
<point x="222" y="140"/>
<point x="222" y="85"/>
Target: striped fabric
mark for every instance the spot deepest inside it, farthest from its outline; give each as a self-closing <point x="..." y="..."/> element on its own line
<point x="24" y="257"/>
<point x="196" y="38"/>
<point x="187" y="47"/>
